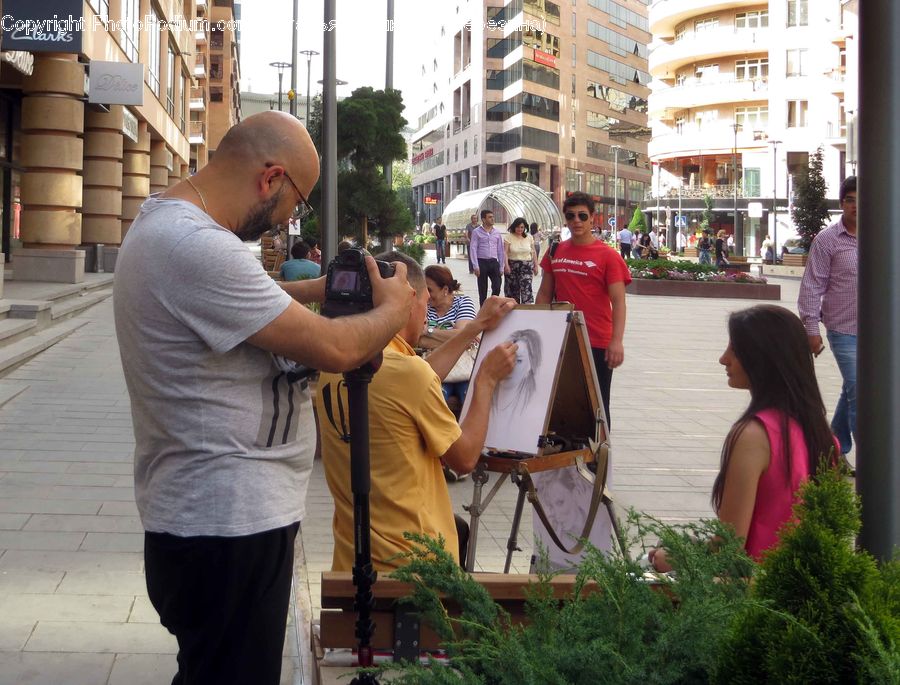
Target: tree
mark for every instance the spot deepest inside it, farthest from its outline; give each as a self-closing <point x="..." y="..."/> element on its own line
<point x="708" y="215"/>
<point x="638" y="221"/>
<point x="369" y="124"/>
<point x="810" y="212"/>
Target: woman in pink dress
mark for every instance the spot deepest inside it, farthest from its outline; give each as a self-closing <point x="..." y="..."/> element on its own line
<point x="779" y="440"/>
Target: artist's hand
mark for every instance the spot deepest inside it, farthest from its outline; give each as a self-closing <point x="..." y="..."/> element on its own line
<point x="816" y="346"/>
<point x="660" y="560"/>
<point x="498" y="363"/>
<point x="493" y="310"/>
<point x="615" y="354"/>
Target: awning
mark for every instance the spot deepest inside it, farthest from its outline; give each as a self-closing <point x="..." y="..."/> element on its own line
<point x="518" y="198"/>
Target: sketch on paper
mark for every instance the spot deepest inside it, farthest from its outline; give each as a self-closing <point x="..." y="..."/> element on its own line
<point x="521" y="401"/>
<point x="566" y="498"/>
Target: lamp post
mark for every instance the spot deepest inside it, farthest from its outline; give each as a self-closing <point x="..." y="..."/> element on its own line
<point x="774" y="144"/>
<point x="295" y="36"/>
<point x="615" y="149"/>
<point x="580" y="175"/>
<point x="309" y="55"/>
<point x="281" y="66"/>
<point x="738" y="235"/>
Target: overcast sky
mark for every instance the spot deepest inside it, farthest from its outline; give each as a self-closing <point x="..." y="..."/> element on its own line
<point x="360" y="27"/>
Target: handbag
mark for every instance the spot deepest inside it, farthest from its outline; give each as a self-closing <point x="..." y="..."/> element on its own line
<point x="462" y="370"/>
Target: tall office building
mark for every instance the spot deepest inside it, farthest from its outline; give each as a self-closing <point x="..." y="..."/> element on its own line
<point x="551" y="94"/>
<point x="742" y="92"/>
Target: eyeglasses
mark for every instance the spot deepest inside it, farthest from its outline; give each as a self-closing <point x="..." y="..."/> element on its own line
<point x="583" y="216"/>
<point x="303" y="208"/>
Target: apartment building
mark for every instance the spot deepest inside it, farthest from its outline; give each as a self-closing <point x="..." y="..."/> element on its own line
<point x="554" y="94"/>
<point x="742" y="92"/>
<point x="98" y="104"/>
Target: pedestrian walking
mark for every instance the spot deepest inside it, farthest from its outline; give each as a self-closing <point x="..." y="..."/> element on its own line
<point x="625" y="238"/>
<point x="522" y="260"/>
<point x="487" y="255"/>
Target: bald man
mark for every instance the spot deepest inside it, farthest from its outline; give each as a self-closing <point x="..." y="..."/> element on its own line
<point x="224" y="438"/>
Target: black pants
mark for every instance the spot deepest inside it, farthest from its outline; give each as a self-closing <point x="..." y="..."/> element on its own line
<point x="625" y="248"/>
<point x="225" y="600"/>
<point x="488" y="268"/>
<point x="604" y="377"/>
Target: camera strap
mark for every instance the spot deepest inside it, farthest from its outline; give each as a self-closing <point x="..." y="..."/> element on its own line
<point x="326" y="400"/>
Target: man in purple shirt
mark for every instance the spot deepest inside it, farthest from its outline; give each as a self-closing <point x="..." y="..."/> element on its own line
<point x="487" y="256"/>
<point x="828" y="293"/>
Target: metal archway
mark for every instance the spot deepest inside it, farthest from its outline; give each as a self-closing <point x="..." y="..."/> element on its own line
<point x="518" y="198"/>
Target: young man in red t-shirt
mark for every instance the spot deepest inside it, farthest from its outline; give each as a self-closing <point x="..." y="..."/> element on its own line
<point x="591" y="275"/>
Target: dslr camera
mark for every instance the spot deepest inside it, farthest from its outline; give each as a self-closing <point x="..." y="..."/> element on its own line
<point x="348" y="289"/>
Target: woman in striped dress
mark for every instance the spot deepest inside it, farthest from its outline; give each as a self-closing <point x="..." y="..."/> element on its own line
<point x="522" y="261"/>
<point x="447" y="310"/>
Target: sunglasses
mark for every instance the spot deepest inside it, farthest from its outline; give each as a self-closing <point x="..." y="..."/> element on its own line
<point x="583" y="216"/>
<point x="303" y="208"/>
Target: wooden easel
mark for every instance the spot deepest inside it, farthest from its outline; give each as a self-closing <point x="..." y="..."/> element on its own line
<point x="575" y="433"/>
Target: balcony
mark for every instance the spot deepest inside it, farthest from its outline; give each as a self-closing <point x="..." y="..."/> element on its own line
<point x="201" y="36"/>
<point x="198" y="100"/>
<point x="665" y="15"/>
<point x="706" y="45"/>
<point x="712" y="139"/>
<point x="666" y="100"/>
<point x="837" y="80"/>
<point x="200" y="66"/>
<point x="198" y="133"/>
<point x="697" y="192"/>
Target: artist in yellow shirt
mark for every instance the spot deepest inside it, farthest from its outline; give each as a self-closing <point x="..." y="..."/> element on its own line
<point x="411" y="430"/>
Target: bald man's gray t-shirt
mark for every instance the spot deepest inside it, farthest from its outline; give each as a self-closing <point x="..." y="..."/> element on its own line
<point x="224" y="444"/>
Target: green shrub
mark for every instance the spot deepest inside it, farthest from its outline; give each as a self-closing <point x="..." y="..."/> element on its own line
<point x="671" y="265"/>
<point x="838" y="613"/>
<point x="413" y="249"/>
<point x="638" y="221"/>
<point x="626" y="633"/>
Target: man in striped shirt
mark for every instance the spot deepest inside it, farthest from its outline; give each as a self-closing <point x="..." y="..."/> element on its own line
<point x="487" y="256"/>
<point x="828" y="294"/>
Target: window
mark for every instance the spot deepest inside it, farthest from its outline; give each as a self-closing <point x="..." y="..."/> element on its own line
<point x="679" y="125"/>
<point x="572" y="180"/>
<point x="540" y="40"/>
<point x="707" y="72"/>
<point x="681" y="33"/>
<point x="101" y="7"/>
<point x="618" y="71"/>
<point x="185" y="98"/>
<point x="595" y="183"/>
<point x="549" y="11"/>
<point x="797" y="62"/>
<point x="751" y="20"/>
<point x="708" y="24"/>
<point x="798" y="13"/>
<point x="617" y="100"/>
<point x="618" y="43"/>
<point x="153" y="54"/>
<point x="797" y="113"/>
<point x="129" y="35"/>
<point x="621" y="16"/>
<point x="601" y="121"/>
<point x="751" y="69"/>
<point x="752" y="118"/>
<point x="635" y="191"/>
<point x="170" y="83"/>
<point x="752" y="183"/>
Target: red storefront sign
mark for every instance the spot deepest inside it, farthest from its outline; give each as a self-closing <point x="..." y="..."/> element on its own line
<point x="544" y="58"/>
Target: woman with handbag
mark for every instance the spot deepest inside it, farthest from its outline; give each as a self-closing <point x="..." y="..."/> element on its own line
<point x="447" y="311"/>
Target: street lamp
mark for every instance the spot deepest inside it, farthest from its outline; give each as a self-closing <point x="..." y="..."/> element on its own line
<point x="738" y="236"/>
<point x="580" y="175"/>
<point x="774" y="144"/>
<point x="615" y="149"/>
<point x="281" y="66"/>
<point x="309" y="55"/>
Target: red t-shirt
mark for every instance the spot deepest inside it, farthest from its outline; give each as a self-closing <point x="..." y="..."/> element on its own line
<point x="582" y="275"/>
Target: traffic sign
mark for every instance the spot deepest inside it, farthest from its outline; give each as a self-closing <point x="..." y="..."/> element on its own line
<point x="612" y="222"/>
<point x="681" y="221"/>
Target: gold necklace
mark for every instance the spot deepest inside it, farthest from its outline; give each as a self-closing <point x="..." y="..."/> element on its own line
<point x="199" y="194"/>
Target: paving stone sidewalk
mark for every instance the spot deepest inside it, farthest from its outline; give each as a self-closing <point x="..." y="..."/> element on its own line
<point x="73" y="604"/>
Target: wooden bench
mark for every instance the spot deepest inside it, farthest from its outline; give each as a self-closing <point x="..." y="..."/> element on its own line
<point x="399" y="630"/>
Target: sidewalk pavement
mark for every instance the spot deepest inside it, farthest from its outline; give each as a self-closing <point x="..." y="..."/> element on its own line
<point x="73" y="603"/>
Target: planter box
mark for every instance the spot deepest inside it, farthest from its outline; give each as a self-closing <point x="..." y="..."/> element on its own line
<point x="691" y="252"/>
<point x="794" y="260"/>
<point x="738" y="291"/>
<point x="430" y="246"/>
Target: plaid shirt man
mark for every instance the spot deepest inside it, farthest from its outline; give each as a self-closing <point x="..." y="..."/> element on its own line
<point x="828" y="290"/>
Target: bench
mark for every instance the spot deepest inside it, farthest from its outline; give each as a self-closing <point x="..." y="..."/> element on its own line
<point x="399" y="630"/>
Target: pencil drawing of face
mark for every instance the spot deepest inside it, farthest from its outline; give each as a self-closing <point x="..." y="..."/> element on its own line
<point x="515" y="391"/>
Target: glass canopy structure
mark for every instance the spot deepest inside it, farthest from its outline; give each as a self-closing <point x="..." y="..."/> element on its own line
<point x="518" y="198"/>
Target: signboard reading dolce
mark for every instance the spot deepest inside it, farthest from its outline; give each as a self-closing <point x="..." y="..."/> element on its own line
<point x="116" y="83"/>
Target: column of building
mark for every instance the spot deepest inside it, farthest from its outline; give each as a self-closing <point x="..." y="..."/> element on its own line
<point x="102" y="205"/>
<point x="135" y="175"/>
<point x="52" y="152"/>
<point x="159" y="166"/>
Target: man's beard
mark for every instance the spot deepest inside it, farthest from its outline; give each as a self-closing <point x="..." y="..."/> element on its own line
<point x="260" y="220"/>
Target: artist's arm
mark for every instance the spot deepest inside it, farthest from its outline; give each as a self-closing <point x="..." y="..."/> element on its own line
<point x="615" y="351"/>
<point x="462" y="455"/>
<point x="306" y="291"/>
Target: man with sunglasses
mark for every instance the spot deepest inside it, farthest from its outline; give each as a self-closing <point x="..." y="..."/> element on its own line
<point x="591" y="275"/>
<point x="224" y="434"/>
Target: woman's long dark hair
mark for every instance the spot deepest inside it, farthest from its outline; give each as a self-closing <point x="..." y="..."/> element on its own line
<point x="772" y="346"/>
